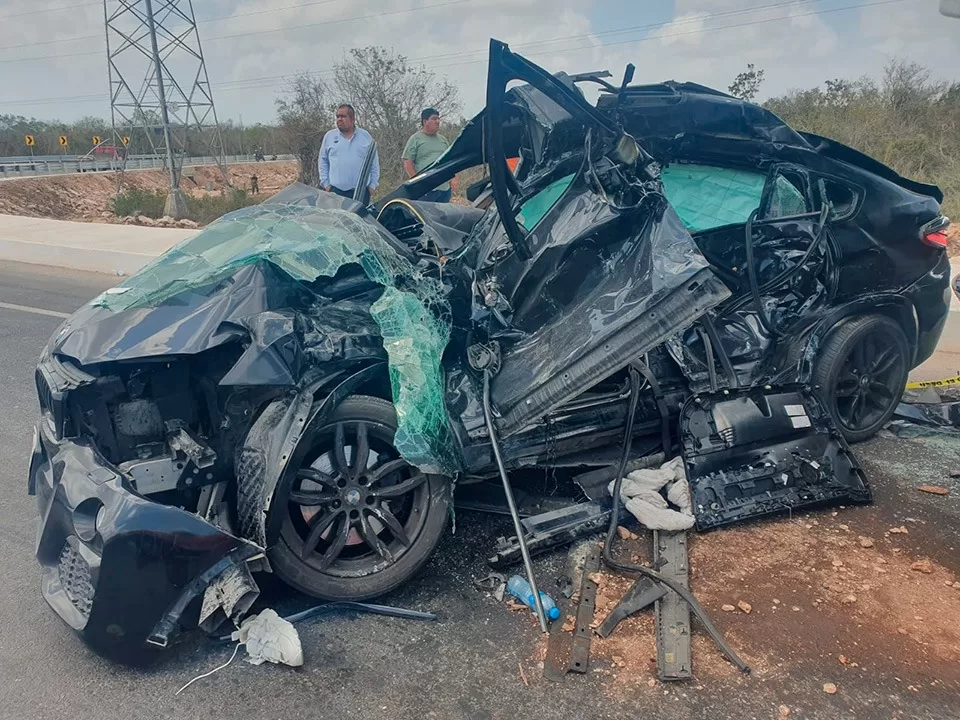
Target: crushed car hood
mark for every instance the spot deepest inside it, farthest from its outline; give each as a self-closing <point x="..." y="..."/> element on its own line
<point x="220" y="284"/>
<point x="194" y="321"/>
<point x="197" y="295"/>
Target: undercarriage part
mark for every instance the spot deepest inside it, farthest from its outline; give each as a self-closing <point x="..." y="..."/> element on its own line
<point x="181" y="440"/>
<point x="560" y="644"/>
<point x="557" y="661"/>
<point x="648" y="375"/>
<point x="754" y="452"/>
<point x="508" y="491"/>
<point x="361" y="607"/>
<point x="230" y="596"/>
<point x="594" y="483"/>
<point x="211" y="504"/>
<point x="580" y="650"/>
<point x="672" y="615"/>
<point x="167" y="626"/>
<point x="487" y="497"/>
<point x="643" y="593"/>
<point x="369" y="608"/>
<point x="653" y="574"/>
<point x="552" y="529"/>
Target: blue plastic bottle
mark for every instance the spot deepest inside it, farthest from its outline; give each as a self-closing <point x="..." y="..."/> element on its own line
<point x="521" y="590"/>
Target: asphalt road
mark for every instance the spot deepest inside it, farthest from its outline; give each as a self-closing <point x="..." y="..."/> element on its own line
<point x="465" y="666"/>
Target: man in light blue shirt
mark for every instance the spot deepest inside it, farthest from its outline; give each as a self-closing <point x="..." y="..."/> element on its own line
<point x="342" y="154"/>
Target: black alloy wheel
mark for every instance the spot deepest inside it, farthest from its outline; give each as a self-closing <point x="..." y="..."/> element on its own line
<point x="861" y="373"/>
<point x="359" y="519"/>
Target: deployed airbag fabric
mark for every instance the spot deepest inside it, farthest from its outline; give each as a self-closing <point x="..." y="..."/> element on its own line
<point x="707" y="197"/>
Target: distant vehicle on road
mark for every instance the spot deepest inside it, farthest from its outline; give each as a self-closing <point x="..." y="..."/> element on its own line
<point x="110" y="151"/>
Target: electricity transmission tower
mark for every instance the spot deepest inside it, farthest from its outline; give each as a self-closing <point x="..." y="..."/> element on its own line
<point x="160" y="96"/>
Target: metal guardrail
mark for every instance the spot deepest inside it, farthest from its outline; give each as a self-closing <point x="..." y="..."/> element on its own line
<point x="26" y="166"/>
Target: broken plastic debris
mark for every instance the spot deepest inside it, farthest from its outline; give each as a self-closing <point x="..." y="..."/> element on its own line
<point x="270" y="638"/>
<point x="229" y="596"/>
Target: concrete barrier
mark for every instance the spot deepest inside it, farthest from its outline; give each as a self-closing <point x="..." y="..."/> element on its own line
<point x="90" y="247"/>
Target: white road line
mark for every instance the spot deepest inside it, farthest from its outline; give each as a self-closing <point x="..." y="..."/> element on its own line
<point x="35" y="311"/>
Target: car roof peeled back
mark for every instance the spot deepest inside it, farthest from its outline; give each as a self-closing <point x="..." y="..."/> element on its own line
<point x="670" y="113"/>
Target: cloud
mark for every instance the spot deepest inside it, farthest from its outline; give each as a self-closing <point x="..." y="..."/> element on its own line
<point x="258" y="42"/>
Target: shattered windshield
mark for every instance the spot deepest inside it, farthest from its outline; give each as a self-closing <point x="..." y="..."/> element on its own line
<point x="307" y="243"/>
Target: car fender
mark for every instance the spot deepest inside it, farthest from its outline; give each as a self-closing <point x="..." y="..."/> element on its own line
<point x="277" y="443"/>
<point x="896" y="307"/>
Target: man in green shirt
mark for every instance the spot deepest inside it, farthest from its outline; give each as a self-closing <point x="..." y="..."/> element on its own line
<point x="422" y="150"/>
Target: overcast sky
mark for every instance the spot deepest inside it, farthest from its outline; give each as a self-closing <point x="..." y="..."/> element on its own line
<point x="53" y="64"/>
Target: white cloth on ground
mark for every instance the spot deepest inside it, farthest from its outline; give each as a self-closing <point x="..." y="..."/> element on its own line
<point x="640" y="494"/>
<point x="270" y="638"/>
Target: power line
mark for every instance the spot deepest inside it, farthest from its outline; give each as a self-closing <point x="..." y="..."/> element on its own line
<point x="199" y="22"/>
<point x="236" y="85"/>
<point x="47" y="10"/>
<point x="444" y="56"/>
<point x="223" y="85"/>
<point x="618" y="31"/>
<point x="246" y="34"/>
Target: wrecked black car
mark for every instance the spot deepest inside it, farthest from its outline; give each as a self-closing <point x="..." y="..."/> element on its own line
<point x="302" y="386"/>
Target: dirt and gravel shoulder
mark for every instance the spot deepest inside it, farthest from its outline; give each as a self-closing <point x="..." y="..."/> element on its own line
<point x="86" y="197"/>
<point x="849" y="612"/>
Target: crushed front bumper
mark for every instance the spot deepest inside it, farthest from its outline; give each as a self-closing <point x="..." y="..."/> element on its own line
<point x="119" y="569"/>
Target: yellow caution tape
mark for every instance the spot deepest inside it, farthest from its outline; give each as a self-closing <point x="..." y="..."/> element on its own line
<point x="933" y="383"/>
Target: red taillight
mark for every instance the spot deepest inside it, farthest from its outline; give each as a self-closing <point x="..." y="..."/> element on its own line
<point x="934" y="233"/>
<point x="937" y="239"/>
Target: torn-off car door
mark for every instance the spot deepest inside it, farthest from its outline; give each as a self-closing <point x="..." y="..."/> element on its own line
<point x="592" y="267"/>
<point x="761" y="451"/>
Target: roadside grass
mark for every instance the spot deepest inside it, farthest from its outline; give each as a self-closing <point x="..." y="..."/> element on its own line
<point x="202" y="210"/>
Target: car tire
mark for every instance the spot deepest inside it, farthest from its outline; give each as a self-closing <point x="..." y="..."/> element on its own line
<point x="359" y="576"/>
<point x="860" y="374"/>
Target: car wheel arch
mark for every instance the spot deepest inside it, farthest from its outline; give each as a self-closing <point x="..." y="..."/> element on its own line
<point x="897" y="308"/>
<point x="272" y="455"/>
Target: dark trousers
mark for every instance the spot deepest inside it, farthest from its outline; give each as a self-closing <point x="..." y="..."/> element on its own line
<point x="438" y="196"/>
<point x="349" y="194"/>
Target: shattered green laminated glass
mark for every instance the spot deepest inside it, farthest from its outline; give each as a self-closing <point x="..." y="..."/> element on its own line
<point x="307" y="243"/>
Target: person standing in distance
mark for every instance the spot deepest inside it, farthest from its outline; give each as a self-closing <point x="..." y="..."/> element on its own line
<point x="342" y="154"/>
<point x="422" y="150"/>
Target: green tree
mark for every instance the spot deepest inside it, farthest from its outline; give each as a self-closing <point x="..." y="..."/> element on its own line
<point x="746" y="84"/>
<point x="304" y="116"/>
